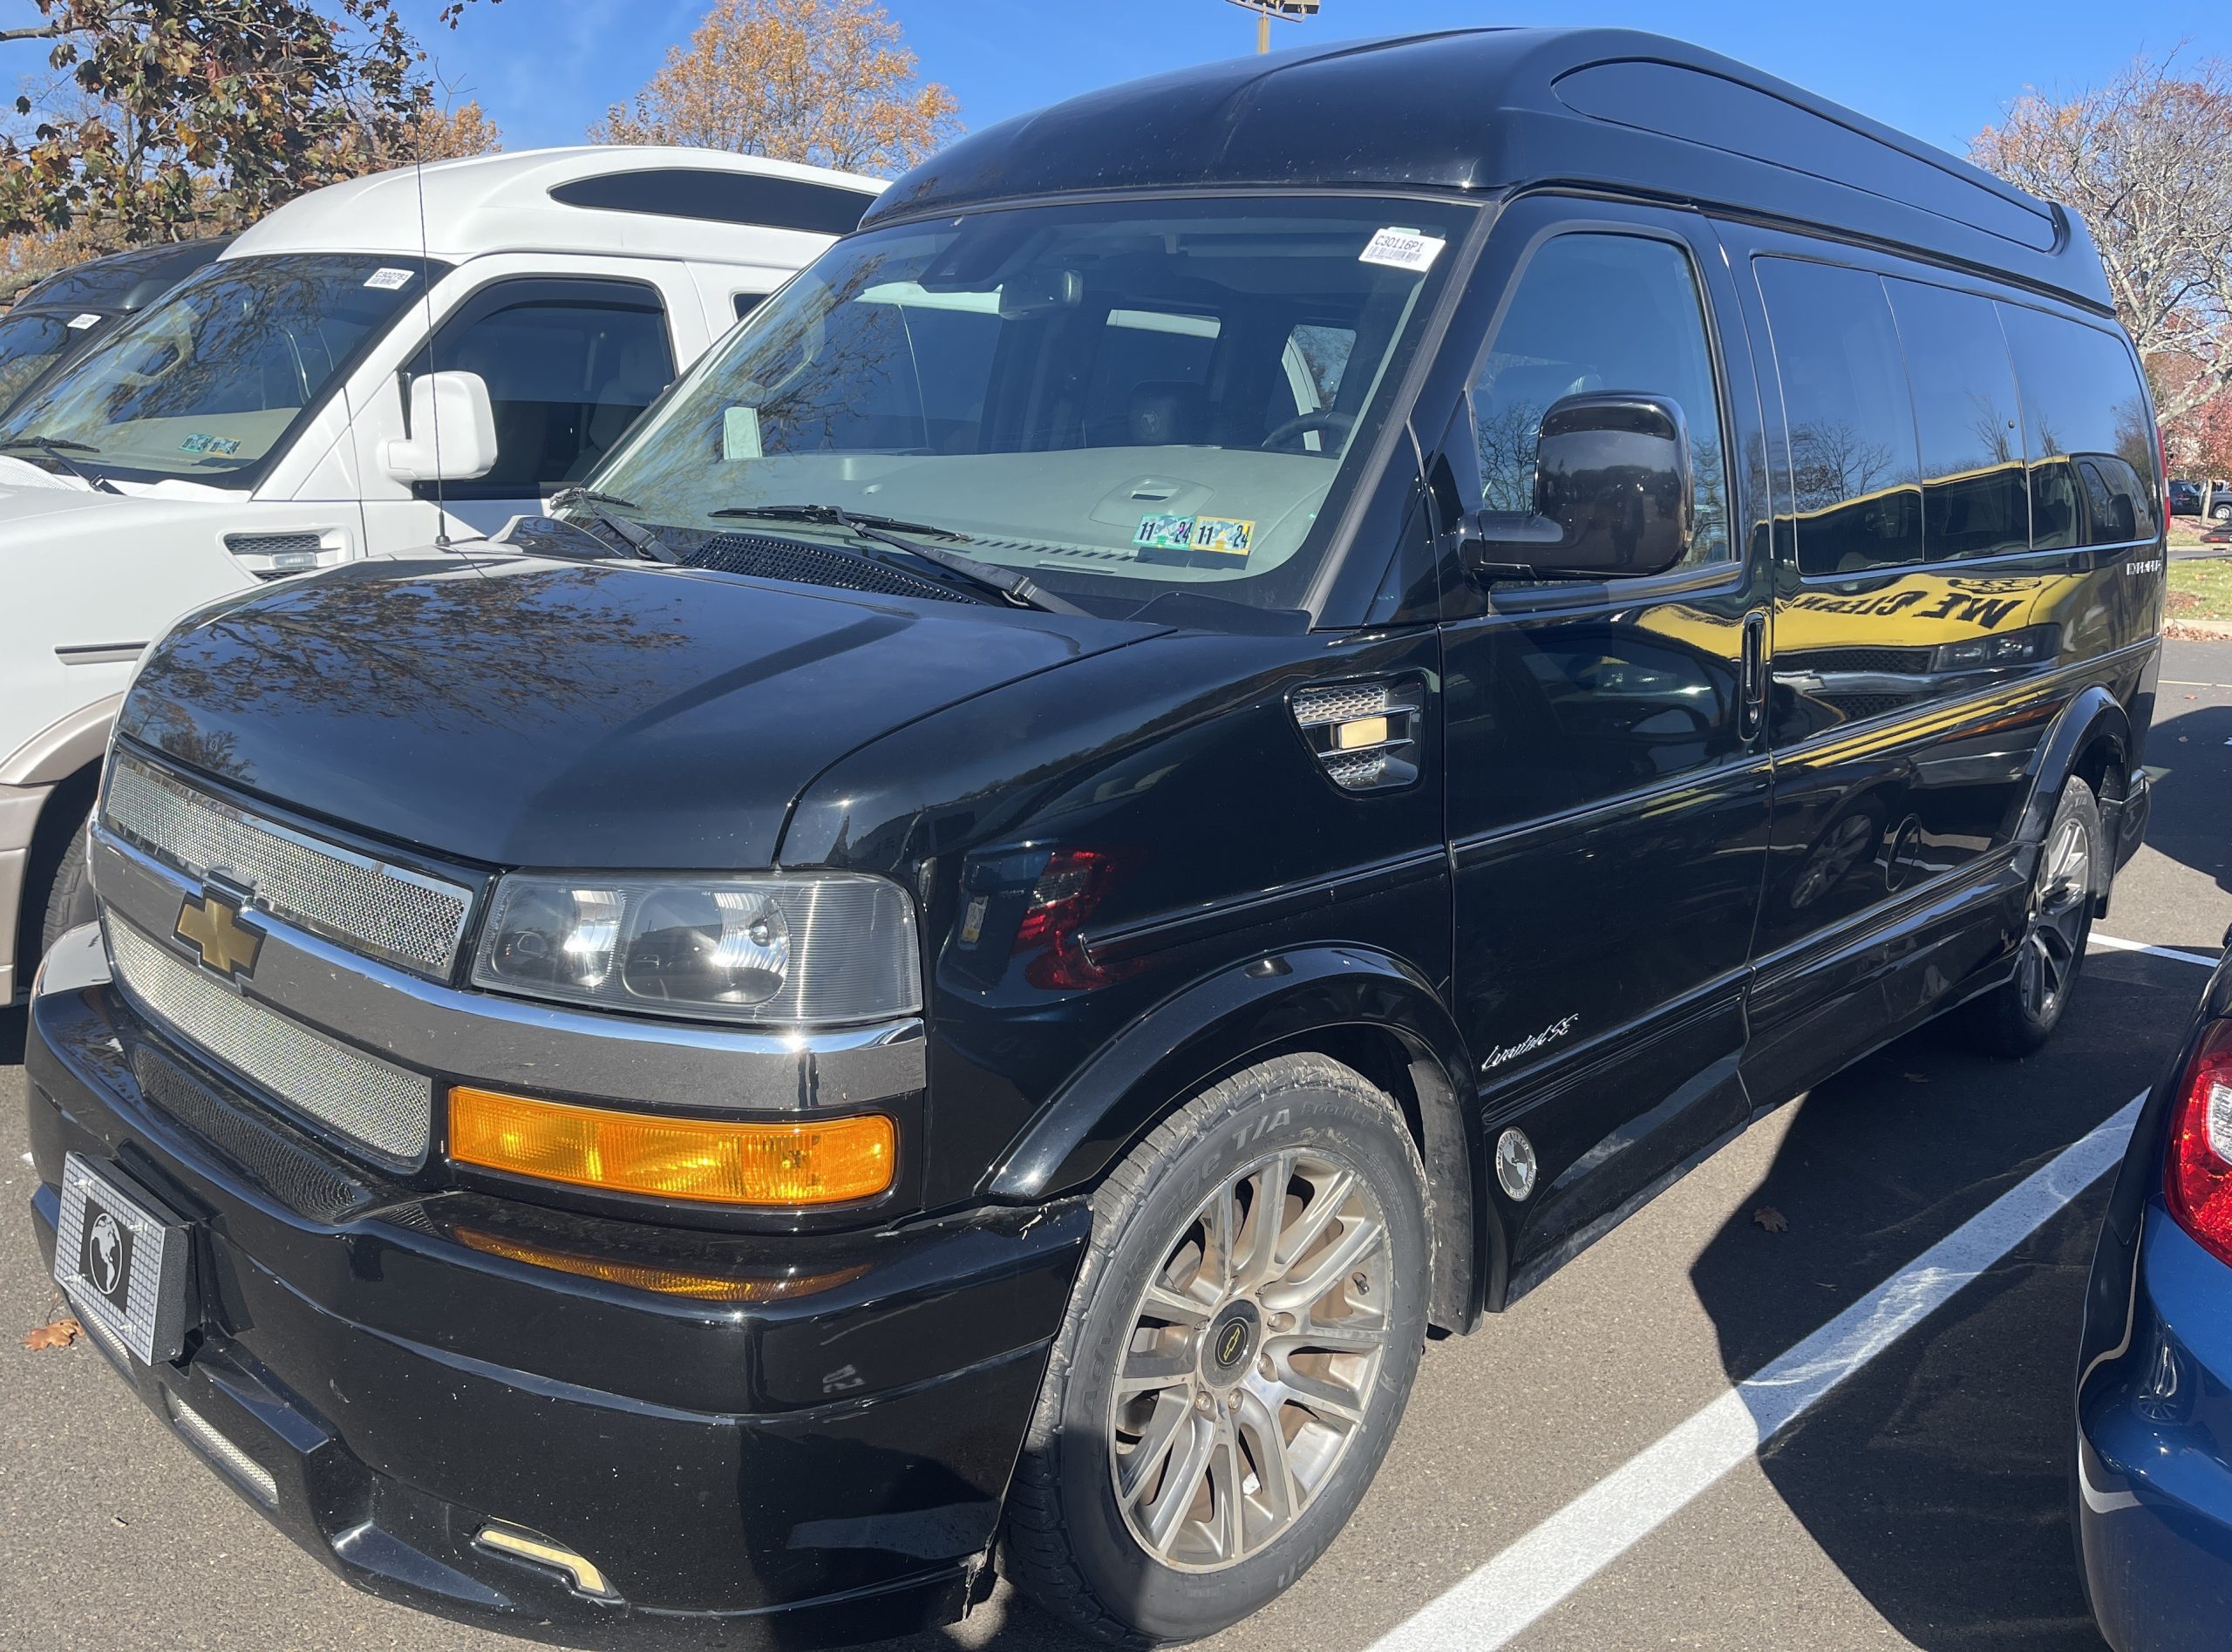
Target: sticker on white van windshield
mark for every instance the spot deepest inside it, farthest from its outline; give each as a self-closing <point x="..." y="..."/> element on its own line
<point x="78" y="324"/>
<point x="388" y="278"/>
<point x="222" y="447"/>
<point x="1402" y="248"/>
<point x="740" y="433"/>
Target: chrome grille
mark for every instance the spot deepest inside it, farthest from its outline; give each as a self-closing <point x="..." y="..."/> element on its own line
<point x="368" y="906"/>
<point x="230" y="1457"/>
<point x="1343" y="702"/>
<point x="273" y="544"/>
<point x="379" y="1106"/>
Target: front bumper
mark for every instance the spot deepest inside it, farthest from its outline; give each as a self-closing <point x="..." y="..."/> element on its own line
<point x="825" y="1464"/>
<point x="2153" y="1492"/>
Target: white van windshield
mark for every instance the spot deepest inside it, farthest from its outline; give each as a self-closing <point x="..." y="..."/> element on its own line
<point x="207" y="383"/>
<point x="1117" y="399"/>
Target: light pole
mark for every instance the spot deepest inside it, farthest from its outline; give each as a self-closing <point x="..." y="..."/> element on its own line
<point x="1291" y="11"/>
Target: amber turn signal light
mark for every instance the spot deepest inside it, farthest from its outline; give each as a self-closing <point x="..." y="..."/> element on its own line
<point x="720" y="1161"/>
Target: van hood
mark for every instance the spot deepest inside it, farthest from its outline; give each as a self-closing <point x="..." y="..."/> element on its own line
<point x="37" y="509"/>
<point x="525" y="712"/>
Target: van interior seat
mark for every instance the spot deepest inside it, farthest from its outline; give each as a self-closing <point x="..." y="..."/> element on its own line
<point x="1168" y="413"/>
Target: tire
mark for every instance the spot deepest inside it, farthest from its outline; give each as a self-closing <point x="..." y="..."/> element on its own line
<point x="2220" y="512"/>
<point x="1211" y="1368"/>
<point x="70" y="897"/>
<point x="2017" y="1018"/>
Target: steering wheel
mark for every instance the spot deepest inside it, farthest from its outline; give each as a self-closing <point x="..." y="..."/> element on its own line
<point x="1317" y="418"/>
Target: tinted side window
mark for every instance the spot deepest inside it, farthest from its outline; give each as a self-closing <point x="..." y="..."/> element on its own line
<point x="569" y="365"/>
<point x="1596" y="312"/>
<point x="1974" y="502"/>
<point x="1851" y="421"/>
<point x="746" y="303"/>
<point x="2081" y="400"/>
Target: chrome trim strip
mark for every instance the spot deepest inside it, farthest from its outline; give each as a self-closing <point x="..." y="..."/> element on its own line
<point x="479" y="1038"/>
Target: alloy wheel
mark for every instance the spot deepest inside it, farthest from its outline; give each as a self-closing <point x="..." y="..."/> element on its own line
<point x="1252" y="1361"/>
<point x="2059" y="897"/>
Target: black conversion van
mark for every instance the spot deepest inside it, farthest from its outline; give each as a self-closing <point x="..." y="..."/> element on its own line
<point x="1265" y="705"/>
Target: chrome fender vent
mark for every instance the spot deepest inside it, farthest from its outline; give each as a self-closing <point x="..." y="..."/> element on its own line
<point x="1365" y="734"/>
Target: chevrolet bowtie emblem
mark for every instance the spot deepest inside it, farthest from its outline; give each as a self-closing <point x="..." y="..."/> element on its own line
<point x="212" y="923"/>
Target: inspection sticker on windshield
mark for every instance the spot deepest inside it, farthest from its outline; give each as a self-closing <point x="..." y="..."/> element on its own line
<point x="1402" y="249"/>
<point x="1224" y="535"/>
<point x="78" y="324"/>
<point x="223" y="446"/>
<point x="1205" y="541"/>
<point x="1164" y="533"/>
<point x="388" y="279"/>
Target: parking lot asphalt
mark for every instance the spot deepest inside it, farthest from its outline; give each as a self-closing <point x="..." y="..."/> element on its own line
<point x="1920" y="1501"/>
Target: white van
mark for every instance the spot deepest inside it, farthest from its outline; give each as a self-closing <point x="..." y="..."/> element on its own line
<point x="384" y="363"/>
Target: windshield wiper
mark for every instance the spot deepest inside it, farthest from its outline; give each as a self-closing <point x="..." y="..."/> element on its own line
<point x="565" y="496"/>
<point x="1018" y="588"/>
<point x="641" y="541"/>
<point x="837" y="516"/>
<point x="59" y="451"/>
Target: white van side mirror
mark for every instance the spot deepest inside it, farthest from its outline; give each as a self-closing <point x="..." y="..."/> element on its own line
<point x="452" y="431"/>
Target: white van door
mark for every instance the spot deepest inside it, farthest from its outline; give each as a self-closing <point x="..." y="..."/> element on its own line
<point x="569" y="355"/>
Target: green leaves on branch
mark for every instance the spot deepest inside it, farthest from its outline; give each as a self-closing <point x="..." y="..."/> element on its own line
<point x="171" y="118"/>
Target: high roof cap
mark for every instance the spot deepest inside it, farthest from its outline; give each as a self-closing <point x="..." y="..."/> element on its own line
<point x="1485" y="111"/>
<point x="504" y="203"/>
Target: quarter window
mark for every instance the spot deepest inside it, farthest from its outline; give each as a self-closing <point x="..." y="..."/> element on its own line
<point x="1601" y="312"/>
<point x="1974" y="502"/>
<point x="568" y="366"/>
<point x="1854" y="472"/>
<point x="2082" y="410"/>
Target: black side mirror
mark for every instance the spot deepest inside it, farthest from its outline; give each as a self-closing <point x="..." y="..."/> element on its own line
<point x="1615" y="496"/>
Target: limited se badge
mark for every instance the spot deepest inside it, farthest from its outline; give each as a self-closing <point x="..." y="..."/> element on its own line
<point x="211" y="924"/>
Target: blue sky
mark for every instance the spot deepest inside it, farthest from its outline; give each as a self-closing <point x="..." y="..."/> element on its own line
<point x="545" y="68"/>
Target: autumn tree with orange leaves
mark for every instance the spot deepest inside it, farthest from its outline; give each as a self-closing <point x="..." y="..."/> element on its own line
<point x="2146" y="161"/>
<point x="830" y="83"/>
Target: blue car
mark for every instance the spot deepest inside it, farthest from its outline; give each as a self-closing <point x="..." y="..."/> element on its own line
<point x="2153" y="1484"/>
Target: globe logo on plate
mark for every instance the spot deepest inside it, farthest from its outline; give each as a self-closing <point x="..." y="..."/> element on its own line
<point x="107" y="1254"/>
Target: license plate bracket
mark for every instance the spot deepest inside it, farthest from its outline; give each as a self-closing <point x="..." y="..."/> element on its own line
<point x="121" y="1256"/>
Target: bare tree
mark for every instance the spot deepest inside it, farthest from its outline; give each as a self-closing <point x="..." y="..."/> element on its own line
<point x="2147" y="161"/>
<point x="829" y="82"/>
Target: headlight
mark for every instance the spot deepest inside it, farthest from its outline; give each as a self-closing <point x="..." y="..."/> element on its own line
<point x="781" y="947"/>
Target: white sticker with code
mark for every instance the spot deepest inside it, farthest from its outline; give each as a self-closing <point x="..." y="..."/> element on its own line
<point x="1402" y="248"/>
<point x="388" y="279"/>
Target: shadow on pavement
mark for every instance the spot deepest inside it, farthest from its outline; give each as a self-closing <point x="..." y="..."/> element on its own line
<point x="1937" y="1479"/>
<point x="2188" y="821"/>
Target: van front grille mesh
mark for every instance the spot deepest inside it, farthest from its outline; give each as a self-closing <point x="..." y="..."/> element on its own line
<point x="384" y="1109"/>
<point x="368" y="906"/>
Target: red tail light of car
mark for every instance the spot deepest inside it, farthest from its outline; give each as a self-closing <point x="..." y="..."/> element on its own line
<point x="2198" y="1185"/>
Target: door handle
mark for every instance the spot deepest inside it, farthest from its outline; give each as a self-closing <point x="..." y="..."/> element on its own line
<point x="1753" y="682"/>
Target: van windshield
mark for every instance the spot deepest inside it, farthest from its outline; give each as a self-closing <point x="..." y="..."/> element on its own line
<point x="1117" y="399"/>
<point x="207" y="382"/>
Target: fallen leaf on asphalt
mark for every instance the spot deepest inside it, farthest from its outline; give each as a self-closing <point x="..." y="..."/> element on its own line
<point x="60" y="1334"/>
<point x="1771" y="1218"/>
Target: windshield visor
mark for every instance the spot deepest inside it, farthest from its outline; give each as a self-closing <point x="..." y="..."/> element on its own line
<point x="208" y="382"/>
<point x="1116" y="398"/>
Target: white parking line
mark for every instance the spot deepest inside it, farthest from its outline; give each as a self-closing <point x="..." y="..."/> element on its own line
<point x="2110" y="941"/>
<point x="1580" y="1540"/>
